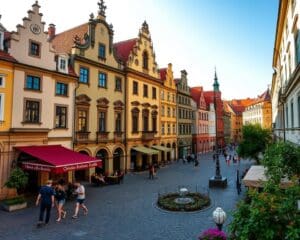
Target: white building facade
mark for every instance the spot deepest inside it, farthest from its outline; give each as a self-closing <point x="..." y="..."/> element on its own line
<point x="286" y="78"/>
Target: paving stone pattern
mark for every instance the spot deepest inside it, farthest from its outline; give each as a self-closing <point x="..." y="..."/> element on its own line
<point x="128" y="211"/>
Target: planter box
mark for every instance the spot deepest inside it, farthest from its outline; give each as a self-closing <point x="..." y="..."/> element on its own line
<point x="11" y="208"/>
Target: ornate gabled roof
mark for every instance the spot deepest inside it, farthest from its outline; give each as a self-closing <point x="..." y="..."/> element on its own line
<point x="124" y="48"/>
<point x="64" y="41"/>
<point x="198" y="96"/>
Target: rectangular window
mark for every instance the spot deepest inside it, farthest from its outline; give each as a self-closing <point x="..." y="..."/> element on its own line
<point x="145" y="123"/>
<point x="60" y="117"/>
<point x="118" y="84"/>
<point x="297" y="48"/>
<point x="1" y="106"/>
<point x="118" y="122"/>
<point x="154" y="124"/>
<point x="62" y="64"/>
<point x="163" y="129"/>
<point x="32" y="111"/>
<point x="153" y="93"/>
<point x="102" y="122"/>
<point x="61" y="89"/>
<point x="2" y="81"/>
<point x="82" y="121"/>
<point x="163" y="111"/>
<point x="135" y="88"/>
<point x="287" y="116"/>
<point x="145" y="92"/>
<point x="101" y="51"/>
<point x="102" y="80"/>
<point x="33" y="82"/>
<point x="34" y="49"/>
<point x="174" y="129"/>
<point x="169" y="112"/>
<point x="84" y="75"/>
<point x="174" y="112"/>
<point x="135" y="121"/>
<point x="169" y="129"/>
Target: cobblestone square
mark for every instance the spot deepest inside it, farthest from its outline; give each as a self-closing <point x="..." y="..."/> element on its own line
<point x="128" y="211"/>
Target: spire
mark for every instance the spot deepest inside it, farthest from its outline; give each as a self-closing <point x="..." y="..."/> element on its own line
<point x="102" y="8"/>
<point x="216" y="83"/>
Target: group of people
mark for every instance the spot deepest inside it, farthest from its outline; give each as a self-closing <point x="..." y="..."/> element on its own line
<point x="50" y="196"/>
<point x="191" y="158"/>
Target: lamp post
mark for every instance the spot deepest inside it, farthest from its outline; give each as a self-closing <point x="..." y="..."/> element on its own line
<point x="219" y="217"/>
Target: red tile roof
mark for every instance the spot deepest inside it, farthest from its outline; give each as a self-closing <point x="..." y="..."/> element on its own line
<point x="64" y="41"/>
<point x="7" y="57"/>
<point x="163" y="73"/>
<point x="196" y="94"/>
<point x="209" y="97"/>
<point x="124" y="48"/>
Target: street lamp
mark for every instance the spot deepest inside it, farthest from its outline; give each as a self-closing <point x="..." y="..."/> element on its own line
<point x="219" y="217"/>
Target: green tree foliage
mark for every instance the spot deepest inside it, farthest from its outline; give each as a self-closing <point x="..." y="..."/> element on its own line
<point x="282" y="160"/>
<point x="255" y="141"/>
<point x="18" y="179"/>
<point x="268" y="215"/>
<point x="272" y="214"/>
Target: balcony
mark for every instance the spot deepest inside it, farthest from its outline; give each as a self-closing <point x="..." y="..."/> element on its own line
<point x="118" y="136"/>
<point x="82" y="137"/>
<point x="102" y="137"/>
<point x="147" y="135"/>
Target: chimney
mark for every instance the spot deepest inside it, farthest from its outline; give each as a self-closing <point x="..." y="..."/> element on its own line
<point x="51" y="31"/>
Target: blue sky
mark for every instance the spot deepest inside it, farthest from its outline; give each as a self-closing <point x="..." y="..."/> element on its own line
<point x="236" y="36"/>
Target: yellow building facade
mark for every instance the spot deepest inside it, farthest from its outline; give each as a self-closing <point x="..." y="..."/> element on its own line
<point x="168" y="115"/>
<point x="143" y="85"/>
<point x="100" y="103"/>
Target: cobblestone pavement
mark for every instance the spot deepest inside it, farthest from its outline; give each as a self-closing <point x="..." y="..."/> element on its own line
<point x="128" y="211"/>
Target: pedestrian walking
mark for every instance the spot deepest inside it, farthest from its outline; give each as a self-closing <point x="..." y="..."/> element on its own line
<point x="238" y="182"/>
<point x="46" y="200"/>
<point x="151" y="172"/>
<point x="80" y="192"/>
<point x="60" y="196"/>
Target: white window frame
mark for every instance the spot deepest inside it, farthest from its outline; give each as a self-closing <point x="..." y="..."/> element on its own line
<point x="2" y="106"/>
<point x="1" y="40"/>
<point x="3" y="80"/>
<point x="64" y="70"/>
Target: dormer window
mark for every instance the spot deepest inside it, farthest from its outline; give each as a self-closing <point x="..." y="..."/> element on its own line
<point x="62" y="64"/>
<point x="34" y="49"/>
<point x="145" y="60"/>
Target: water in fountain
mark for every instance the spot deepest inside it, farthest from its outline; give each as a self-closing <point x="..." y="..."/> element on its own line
<point x="183" y="199"/>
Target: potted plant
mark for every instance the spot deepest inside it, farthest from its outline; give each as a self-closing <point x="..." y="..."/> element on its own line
<point x="16" y="182"/>
<point x="212" y="234"/>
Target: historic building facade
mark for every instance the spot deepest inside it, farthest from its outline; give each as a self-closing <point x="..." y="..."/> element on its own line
<point x="142" y="93"/>
<point x="185" y="116"/>
<point x="168" y="113"/>
<point x="202" y="114"/>
<point x="259" y="112"/>
<point x="285" y="91"/>
<point x="41" y="111"/>
<point x="100" y="95"/>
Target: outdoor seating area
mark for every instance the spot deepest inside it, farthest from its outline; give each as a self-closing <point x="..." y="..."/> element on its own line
<point x="101" y="180"/>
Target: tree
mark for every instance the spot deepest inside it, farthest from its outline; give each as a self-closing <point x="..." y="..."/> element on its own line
<point x="255" y="141"/>
<point x="272" y="214"/>
<point x="282" y="160"/>
<point x="18" y="179"/>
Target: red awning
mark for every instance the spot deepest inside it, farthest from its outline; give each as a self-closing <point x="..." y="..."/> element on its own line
<point x="57" y="159"/>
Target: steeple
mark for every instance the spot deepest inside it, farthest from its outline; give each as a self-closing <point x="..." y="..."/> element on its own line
<point x="216" y="83"/>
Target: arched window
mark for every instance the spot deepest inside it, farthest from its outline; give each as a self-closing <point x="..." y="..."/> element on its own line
<point x="145" y="60"/>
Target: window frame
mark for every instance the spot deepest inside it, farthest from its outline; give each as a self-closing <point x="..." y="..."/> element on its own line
<point x="118" y="122"/>
<point x="100" y="79"/>
<point x="61" y="84"/>
<point x="2" y="105"/>
<point x="101" y="46"/>
<point x="56" y="106"/>
<point x="32" y="84"/>
<point x="39" y="110"/>
<point x="79" y="117"/>
<point x="30" y="48"/>
<point x="135" y="88"/>
<point x="145" y="90"/>
<point x="87" y="76"/>
<point x="154" y="93"/>
<point x="3" y="81"/>
<point x="118" y="79"/>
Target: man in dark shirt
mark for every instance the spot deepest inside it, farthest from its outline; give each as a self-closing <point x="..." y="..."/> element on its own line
<point x="46" y="197"/>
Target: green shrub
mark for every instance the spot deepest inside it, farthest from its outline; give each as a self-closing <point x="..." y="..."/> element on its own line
<point x="18" y="179"/>
<point x="14" y="201"/>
